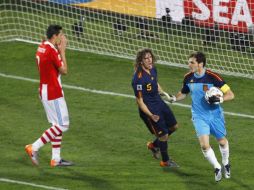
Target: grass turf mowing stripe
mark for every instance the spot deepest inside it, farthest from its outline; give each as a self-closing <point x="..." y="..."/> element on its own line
<point x="112" y="93"/>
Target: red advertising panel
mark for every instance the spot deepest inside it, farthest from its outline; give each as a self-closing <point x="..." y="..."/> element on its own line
<point x="235" y="15"/>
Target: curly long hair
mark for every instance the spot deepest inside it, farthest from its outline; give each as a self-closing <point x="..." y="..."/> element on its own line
<point x="140" y="56"/>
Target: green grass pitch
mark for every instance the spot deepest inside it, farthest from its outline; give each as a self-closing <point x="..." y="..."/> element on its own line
<point x="107" y="140"/>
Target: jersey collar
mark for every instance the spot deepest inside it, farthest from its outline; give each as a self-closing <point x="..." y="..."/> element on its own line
<point x="50" y="44"/>
<point x="200" y="76"/>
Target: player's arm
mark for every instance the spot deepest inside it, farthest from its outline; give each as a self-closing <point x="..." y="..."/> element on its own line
<point x="227" y="93"/>
<point x="224" y="87"/>
<point x="180" y="96"/>
<point x="160" y="90"/>
<point x="165" y="96"/>
<point x="144" y="109"/>
<point x="61" y="48"/>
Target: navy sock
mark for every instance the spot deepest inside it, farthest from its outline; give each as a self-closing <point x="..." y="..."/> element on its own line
<point x="164" y="150"/>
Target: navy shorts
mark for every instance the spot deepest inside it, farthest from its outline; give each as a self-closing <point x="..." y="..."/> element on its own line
<point x="166" y="121"/>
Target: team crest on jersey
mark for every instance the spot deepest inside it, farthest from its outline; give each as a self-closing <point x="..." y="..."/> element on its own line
<point x="41" y="50"/>
<point x="205" y="87"/>
<point x="139" y="87"/>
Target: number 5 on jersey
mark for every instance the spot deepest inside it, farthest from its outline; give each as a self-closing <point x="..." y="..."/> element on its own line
<point x="149" y="87"/>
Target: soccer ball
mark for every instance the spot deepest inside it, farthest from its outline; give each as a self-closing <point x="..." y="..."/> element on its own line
<point x="213" y="91"/>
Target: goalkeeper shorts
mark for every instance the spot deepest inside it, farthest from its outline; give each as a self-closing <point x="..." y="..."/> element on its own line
<point x="215" y="127"/>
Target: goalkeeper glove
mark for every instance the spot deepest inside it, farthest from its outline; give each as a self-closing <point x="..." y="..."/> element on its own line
<point x="215" y="100"/>
<point x="168" y="98"/>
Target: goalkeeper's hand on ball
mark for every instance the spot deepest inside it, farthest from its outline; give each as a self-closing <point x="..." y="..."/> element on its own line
<point x="214" y="99"/>
<point x="214" y="96"/>
<point x="167" y="97"/>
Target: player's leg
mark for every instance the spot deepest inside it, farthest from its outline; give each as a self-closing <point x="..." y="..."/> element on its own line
<point x="48" y="135"/>
<point x="152" y="146"/>
<point x="162" y="132"/>
<point x="57" y="114"/>
<point x="210" y="156"/>
<point x="62" y="119"/>
<point x="219" y="131"/>
<point x="208" y="151"/>
<point x="163" y="144"/>
<point x="168" y="123"/>
<point x="224" y="149"/>
<point x="56" y="147"/>
<point x="170" y="120"/>
<point x="166" y="159"/>
<point x="203" y="132"/>
<point x="172" y="129"/>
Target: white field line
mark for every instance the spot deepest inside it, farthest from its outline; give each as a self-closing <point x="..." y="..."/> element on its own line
<point x="112" y="93"/>
<point x="30" y="184"/>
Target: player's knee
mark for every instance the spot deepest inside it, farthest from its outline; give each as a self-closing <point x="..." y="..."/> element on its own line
<point x="223" y="142"/>
<point x="205" y="152"/>
<point x="205" y="147"/>
<point x="175" y="127"/>
<point x="172" y="129"/>
<point x="64" y="128"/>
<point x="163" y="138"/>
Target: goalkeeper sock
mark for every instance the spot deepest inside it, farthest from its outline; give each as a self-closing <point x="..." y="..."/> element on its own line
<point x="224" y="150"/>
<point x="164" y="150"/>
<point x="210" y="156"/>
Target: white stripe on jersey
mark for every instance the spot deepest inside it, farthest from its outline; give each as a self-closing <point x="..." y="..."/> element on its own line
<point x="44" y="92"/>
<point x="51" y="45"/>
<point x="60" y="82"/>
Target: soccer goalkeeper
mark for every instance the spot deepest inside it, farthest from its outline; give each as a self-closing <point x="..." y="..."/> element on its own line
<point x="207" y="114"/>
<point x="157" y="116"/>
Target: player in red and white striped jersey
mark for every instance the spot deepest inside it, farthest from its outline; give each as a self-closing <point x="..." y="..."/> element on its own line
<point x="51" y="61"/>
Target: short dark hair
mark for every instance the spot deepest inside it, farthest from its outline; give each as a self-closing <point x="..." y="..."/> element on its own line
<point x="141" y="55"/>
<point x="53" y="29"/>
<point x="200" y="57"/>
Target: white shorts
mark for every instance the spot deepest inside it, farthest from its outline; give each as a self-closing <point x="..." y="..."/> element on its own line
<point x="57" y="112"/>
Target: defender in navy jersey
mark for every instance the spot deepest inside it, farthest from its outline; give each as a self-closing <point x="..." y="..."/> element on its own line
<point x="157" y="116"/>
<point x="207" y="118"/>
